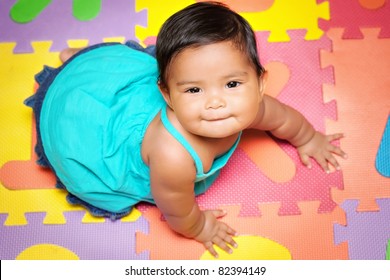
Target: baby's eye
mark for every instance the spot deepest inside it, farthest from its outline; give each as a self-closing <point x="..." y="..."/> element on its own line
<point x="193" y="90"/>
<point x="232" y="84"/>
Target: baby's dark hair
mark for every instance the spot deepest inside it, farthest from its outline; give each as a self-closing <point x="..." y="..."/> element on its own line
<point x="201" y="24"/>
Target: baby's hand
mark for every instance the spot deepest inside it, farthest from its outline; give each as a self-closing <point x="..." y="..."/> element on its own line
<point x="216" y="233"/>
<point x="322" y="150"/>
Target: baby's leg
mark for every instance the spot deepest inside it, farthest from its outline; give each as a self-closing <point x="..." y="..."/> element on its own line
<point x="68" y="53"/>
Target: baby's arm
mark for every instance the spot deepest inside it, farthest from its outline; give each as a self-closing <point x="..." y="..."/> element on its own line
<point x="172" y="180"/>
<point x="286" y="123"/>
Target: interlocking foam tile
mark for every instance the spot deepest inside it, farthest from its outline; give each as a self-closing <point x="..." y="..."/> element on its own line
<point x="382" y="161"/>
<point x="286" y="15"/>
<point x="303" y="60"/>
<point x="17" y="83"/>
<point x="307" y="236"/>
<point x="250" y="245"/>
<point x="116" y="20"/>
<point x="366" y="233"/>
<point x="354" y="14"/>
<point x="362" y="93"/>
<point x="87" y="241"/>
<point x="286" y="235"/>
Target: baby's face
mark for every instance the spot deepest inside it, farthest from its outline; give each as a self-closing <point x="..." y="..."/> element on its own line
<point x="214" y="90"/>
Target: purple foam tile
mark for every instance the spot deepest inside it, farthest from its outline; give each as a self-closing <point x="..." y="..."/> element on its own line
<point x="89" y="241"/>
<point x="57" y="24"/>
<point x="366" y="233"/>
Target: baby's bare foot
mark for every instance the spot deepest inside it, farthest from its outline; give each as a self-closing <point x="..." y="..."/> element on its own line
<point x="68" y="53"/>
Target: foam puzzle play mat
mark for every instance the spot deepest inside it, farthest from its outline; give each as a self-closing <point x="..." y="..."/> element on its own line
<point x="329" y="59"/>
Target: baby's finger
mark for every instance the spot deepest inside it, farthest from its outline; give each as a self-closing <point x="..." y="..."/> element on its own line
<point x="332" y="160"/>
<point x="338" y="151"/>
<point x="209" y="246"/>
<point x="222" y="244"/>
<point x="230" y="230"/>
<point x="229" y="240"/>
<point x="323" y="163"/>
<point x="306" y="160"/>
<point x="335" y="136"/>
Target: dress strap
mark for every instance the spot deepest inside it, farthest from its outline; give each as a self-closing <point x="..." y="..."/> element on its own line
<point x="176" y="134"/>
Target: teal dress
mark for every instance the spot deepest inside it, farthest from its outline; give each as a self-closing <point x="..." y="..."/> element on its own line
<point x="92" y="121"/>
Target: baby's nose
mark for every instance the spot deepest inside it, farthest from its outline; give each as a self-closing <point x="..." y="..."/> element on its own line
<point x="215" y="101"/>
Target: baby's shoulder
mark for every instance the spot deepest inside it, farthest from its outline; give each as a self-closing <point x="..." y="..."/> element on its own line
<point x="162" y="150"/>
<point x="170" y="164"/>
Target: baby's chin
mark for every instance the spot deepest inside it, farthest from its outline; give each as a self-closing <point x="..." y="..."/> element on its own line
<point x="217" y="133"/>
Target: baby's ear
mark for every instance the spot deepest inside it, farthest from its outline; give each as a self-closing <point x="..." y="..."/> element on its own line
<point x="263" y="81"/>
<point x="263" y="78"/>
<point x="165" y="93"/>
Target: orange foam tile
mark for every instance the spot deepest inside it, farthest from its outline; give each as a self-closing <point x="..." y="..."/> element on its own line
<point x="305" y="236"/>
<point x="361" y="90"/>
